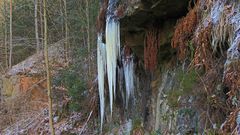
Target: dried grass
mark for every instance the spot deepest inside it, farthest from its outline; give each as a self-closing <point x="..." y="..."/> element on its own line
<point x="211" y="106"/>
<point x="222" y="29"/>
<point x="230" y="125"/>
<point x="92" y="100"/>
<point x="17" y="113"/>
<point x="18" y="117"/>
<point x="232" y="80"/>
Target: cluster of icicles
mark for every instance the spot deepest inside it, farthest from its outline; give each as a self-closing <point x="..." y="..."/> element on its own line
<point x="107" y="56"/>
<point x="225" y="28"/>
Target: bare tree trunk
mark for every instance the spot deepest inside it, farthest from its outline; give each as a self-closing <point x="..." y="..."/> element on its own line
<point x="66" y="31"/>
<point x="41" y="20"/>
<point x="88" y="25"/>
<point x="10" y="37"/>
<point x="36" y="24"/>
<point x="5" y="34"/>
<point x="62" y="15"/>
<point x="88" y="39"/>
<point x="48" y="71"/>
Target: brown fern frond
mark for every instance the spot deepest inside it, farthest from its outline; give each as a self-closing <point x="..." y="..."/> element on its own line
<point x="203" y="54"/>
<point x="183" y="32"/>
<point x="151" y="49"/>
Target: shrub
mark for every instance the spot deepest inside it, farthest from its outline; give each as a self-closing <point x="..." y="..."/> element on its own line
<point x="186" y="80"/>
<point x="76" y="87"/>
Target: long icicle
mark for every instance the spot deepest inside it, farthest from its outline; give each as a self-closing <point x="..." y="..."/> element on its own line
<point x="128" y="73"/>
<point x="112" y="48"/>
<point x="101" y="61"/>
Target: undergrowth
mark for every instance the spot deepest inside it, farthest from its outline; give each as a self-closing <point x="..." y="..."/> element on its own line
<point x="183" y="32"/>
<point x="203" y="56"/>
<point x="76" y="87"/>
<point x="186" y="80"/>
<point x="74" y="81"/>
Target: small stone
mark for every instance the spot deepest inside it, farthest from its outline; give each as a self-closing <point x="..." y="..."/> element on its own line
<point x="55" y="119"/>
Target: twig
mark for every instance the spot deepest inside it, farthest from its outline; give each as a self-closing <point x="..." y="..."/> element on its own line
<point x="205" y="87"/>
<point x="86" y="123"/>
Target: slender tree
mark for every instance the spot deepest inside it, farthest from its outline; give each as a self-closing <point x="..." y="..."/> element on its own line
<point x="5" y="34"/>
<point x="66" y="30"/>
<point x="88" y="25"/>
<point x="88" y="38"/>
<point x="36" y="24"/>
<point x="10" y="37"/>
<point x="47" y="69"/>
<point x="41" y="19"/>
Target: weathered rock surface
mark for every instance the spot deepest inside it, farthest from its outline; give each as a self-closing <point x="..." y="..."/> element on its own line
<point x="141" y="15"/>
<point x="208" y="39"/>
<point x="28" y="77"/>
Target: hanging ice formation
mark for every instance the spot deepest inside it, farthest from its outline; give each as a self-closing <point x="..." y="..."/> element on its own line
<point x="108" y="54"/>
<point x="233" y="52"/>
<point x="112" y="49"/>
<point x="128" y="73"/>
<point x="121" y="85"/>
<point x="101" y="61"/>
<point x="107" y="57"/>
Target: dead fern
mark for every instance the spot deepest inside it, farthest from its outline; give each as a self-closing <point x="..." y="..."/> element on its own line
<point x="230" y="124"/>
<point x="151" y="49"/>
<point x="232" y="80"/>
<point x="183" y="32"/>
<point x="203" y="54"/>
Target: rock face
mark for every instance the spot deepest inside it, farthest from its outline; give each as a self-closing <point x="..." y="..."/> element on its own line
<point x="28" y="77"/>
<point x="193" y="47"/>
<point x="142" y="15"/>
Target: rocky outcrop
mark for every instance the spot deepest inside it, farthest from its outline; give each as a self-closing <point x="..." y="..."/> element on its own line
<point x="142" y="15"/>
<point x="28" y="77"/>
<point x="198" y="38"/>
